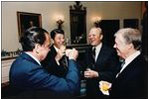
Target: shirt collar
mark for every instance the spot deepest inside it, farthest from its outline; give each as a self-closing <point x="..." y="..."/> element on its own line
<point x="132" y="57"/>
<point x="33" y="57"/>
<point x="97" y="50"/>
<point x="129" y="59"/>
<point x="98" y="47"/>
<point x="55" y="48"/>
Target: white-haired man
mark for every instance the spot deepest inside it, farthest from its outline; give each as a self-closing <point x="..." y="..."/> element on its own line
<point x="131" y="81"/>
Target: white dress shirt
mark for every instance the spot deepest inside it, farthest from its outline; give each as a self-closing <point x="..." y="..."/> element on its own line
<point x="97" y="51"/>
<point x="58" y="63"/>
<point x="56" y="48"/>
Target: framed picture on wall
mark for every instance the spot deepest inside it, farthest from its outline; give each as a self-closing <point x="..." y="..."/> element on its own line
<point x="27" y="20"/>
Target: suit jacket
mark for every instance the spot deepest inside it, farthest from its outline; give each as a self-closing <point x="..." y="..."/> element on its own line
<point x="106" y="66"/>
<point x="49" y="63"/>
<point x="27" y="75"/>
<point x="132" y="81"/>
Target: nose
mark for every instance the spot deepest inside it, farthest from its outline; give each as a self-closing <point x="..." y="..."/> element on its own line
<point x="90" y="37"/>
<point x="114" y="46"/>
<point x="62" y="40"/>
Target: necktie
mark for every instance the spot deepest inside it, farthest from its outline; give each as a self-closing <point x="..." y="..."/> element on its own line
<point x="94" y="52"/>
<point x="122" y="64"/>
<point x="93" y="55"/>
<point x="64" y="61"/>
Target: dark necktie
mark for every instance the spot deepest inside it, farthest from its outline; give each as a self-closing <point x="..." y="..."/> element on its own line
<point x="122" y="64"/>
<point x="64" y="62"/>
<point x="93" y="57"/>
<point x="94" y="53"/>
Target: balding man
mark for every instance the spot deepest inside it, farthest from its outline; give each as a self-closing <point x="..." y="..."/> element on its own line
<point x="30" y="80"/>
<point x="102" y="65"/>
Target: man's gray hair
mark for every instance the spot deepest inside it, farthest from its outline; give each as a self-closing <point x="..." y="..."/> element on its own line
<point x="131" y="35"/>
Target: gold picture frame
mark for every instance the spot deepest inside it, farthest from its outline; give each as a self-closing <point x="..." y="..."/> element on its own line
<point x="27" y="20"/>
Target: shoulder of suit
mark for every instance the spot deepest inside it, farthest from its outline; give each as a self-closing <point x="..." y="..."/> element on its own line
<point x="52" y="51"/>
<point x="52" y="47"/>
<point x="25" y="61"/>
<point x="141" y="59"/>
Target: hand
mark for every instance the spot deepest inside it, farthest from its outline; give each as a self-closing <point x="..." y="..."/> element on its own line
<point x="90" y="73"/>
<point x="62" y="48"/>
<point x="67" y="52"/>
<point x="72" y="54"/>
<point x="60" y="53"/>
<point x="105" y="87"/>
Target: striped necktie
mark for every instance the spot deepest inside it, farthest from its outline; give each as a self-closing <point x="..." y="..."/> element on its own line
<point x="122" y="64"/>
<point x="94" y="52"/>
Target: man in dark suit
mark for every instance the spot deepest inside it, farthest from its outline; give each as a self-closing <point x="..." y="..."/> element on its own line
<point x="101" y="66"/>
<point x="56" y="63"/>
<point x="28" y="77"/>
<point x="131" y="81"/>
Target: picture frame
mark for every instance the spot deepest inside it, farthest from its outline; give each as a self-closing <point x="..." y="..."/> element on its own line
<point x="27" y="20"/>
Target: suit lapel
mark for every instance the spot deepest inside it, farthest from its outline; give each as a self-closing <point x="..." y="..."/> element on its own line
<point x="53" y="51"/>
<point x="89" y="63"/>
<point x="129" y="67"/>
<point x="101" y="55"/>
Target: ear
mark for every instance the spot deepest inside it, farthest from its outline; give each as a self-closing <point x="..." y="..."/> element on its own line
<point x="130" y="46"/>
<point x="36" y="49"/>
<point x="52" y="41"/>
<point x="101" y="37"/>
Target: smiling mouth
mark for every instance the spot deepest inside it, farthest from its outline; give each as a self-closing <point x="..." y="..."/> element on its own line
<point x="92" y="41"/>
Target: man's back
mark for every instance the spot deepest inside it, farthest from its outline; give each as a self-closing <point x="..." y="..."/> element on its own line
<point x="27" y="75"/>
